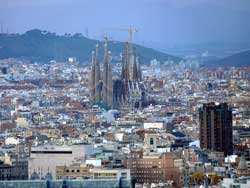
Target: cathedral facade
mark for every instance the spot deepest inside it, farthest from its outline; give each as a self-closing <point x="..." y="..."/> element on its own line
<point x="125" y="92"/>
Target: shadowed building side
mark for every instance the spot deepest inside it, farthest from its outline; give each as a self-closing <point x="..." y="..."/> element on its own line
<point x="216" y="128"/>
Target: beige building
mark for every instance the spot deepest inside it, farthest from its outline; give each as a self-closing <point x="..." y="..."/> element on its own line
<point x="150" y="144"/>
<point x="154" y="125"/>
<point x="22" y="122"/>
<point x="83" y="171"/>
<point x="78" y="171"/>
<point x="110" y="173"/>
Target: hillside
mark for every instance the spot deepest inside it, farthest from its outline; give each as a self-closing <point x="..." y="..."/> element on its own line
<point x="43" y="46"/>
<point x="241" y="59"/>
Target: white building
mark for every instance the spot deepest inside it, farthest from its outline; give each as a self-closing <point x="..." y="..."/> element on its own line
<point x="43" y="160"/>
<point x="110" y="173"/>
<point x="154" y="125"/>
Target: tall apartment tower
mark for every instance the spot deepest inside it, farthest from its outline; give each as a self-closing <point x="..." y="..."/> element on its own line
<point x="216" y="128"/>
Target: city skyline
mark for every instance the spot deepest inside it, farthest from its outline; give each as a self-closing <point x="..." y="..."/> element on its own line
<point x="102" y="111"/>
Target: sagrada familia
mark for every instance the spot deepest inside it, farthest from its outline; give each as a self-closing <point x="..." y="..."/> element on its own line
<point x="125" y="92"/>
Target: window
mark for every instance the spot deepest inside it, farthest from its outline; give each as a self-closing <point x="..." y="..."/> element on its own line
<point x="151" y="141"/>
<point x="124" y="174"/>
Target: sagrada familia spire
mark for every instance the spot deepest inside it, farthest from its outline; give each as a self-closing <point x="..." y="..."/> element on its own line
<point x="92" y="78"/>
<point x="107" y="77"/>
<point x="97" y="75"/>
<point x="126" y="92"/>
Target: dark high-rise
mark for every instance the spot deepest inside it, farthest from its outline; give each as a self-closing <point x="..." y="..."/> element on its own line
<point x="216" y="127"/>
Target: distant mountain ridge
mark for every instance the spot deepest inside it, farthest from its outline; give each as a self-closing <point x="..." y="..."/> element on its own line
<point x="241" y="59"/>
<point x="43" y="46"/>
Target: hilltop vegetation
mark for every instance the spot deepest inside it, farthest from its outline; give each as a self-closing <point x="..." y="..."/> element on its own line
<point x="43" y="46"/>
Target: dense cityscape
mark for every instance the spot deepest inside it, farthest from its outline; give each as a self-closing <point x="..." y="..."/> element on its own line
<point x="122" y="121"/>
<point x="52" y="127"/>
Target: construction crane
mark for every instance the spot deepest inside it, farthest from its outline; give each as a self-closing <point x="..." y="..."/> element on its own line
<point x="102" y="37"/>
<point x="131" y="30"/>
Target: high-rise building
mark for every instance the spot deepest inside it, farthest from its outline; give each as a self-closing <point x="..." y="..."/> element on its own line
<point x="216" y="127"/>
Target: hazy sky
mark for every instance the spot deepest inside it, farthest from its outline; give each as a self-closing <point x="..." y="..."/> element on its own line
<point x="158" y="21"/>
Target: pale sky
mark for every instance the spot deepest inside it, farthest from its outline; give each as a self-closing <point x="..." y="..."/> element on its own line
<point x="158" y="21"/>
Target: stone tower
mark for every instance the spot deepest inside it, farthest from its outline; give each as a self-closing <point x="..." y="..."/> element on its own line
<point x="127" y="75"/>
<point x="139" y="74"/>
<point x="107" y="89"/>
<point x="134" y="72"/>
<point x="105" y="73"/>
<point x="97" y="76"/>
<point x="109" y="83"/>
<point x="150" y="144"/>
<point x="91" y="84"/>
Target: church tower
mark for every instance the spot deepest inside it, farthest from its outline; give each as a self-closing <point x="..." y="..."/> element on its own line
<point x="123" y="67"/>
<point x="150" y="144"/>
<point x="110" y="83"/>
<point x="131" y="61"/>
<point x="134" y="70"/>
<point x="127" y="75"/>
<point x="125" y="92"/>
<point x="105" y="73"/>
<point x="97" y="76"/>
<point x="91" y="84"/>
<point x="139" y="74"/>
<point x="107" y="77"/>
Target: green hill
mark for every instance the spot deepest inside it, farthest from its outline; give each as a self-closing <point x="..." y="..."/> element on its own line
<point x="241" y="59"/>
<point x="43" y="46"/>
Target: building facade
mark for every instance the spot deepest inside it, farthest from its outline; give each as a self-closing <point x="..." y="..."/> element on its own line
<point x="154" y="169"/>
<point x="73" y="172"/>
<point x="110" y="173"/>
<point x="150" y="167"/>
<point x="216" y="128"/>
<point x="43" y="161"/>
<point x="17" y="167"/>
<point x="84" y="171"/>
